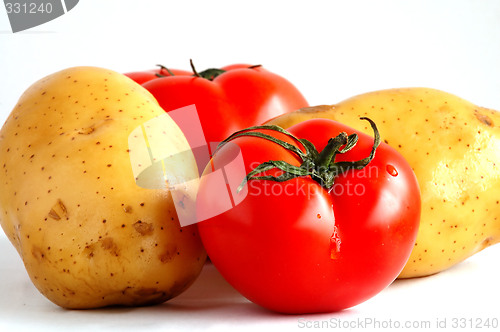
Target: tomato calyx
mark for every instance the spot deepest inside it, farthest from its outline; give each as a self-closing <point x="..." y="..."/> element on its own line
<point x="209" y="74"/>
<point x="162" y="67"/>
<point x="321" y="166"/>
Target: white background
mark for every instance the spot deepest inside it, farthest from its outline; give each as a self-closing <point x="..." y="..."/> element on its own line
<point x="330" y="50"/>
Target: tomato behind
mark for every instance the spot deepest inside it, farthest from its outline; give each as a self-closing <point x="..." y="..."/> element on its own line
<point x="236" y="97"/>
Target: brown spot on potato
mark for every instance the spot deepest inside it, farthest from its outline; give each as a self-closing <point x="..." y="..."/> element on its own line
<point x="147" y="292"/>
<point x="484" y="119"/>
<point x="108" y="244"/>
<point x="37" y="253"/>
<point x="58" y="211"/>
<point x="143" y="228"/>
<point x="169" y="253"/>
<point x="144" y="296"/>
<point x="486" y="243"/>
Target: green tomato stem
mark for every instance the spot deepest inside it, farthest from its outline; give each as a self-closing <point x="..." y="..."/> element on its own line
<point x="322" y="166"/>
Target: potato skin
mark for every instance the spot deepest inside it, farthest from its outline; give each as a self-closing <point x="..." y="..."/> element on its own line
<point x="88" y="235"/>
<point x="453" y="147"/>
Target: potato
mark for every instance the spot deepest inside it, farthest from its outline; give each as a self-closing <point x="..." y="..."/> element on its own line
<point x="453" y="147"/>
<point x="89" y="236"/>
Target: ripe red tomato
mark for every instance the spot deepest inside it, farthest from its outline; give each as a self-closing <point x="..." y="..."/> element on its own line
<point x="227" y="99"/>
<point x="296" y="246"/>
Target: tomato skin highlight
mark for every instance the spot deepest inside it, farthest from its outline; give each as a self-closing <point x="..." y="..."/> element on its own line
<point x="295" y="247"/>
<point x="240" y="97"/>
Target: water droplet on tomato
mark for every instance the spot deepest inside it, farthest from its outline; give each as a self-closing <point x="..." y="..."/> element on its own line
<point x="319" y="216"/>
<point x="335" y="243"/>
<point x="392" y="170"/>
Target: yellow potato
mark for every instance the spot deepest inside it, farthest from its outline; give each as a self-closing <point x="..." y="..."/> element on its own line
<point x="453" y="147"/>
<point x="89" y="236"/>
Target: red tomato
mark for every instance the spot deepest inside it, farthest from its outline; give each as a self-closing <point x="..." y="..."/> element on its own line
<point x="226" y="99"/>
<point x="298" y="247"/>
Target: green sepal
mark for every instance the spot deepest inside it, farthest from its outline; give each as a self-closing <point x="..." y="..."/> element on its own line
<point x="321" y="166"/>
